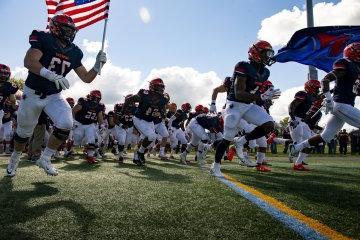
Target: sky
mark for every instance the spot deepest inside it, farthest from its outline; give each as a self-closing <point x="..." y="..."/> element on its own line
<point x="192" y="45"/>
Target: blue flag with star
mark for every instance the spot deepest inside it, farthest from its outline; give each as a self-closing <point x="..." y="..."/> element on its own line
<point x="318" y="46"/>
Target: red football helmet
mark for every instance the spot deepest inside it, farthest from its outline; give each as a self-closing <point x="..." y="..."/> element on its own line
<point x="261" y="52"/>
<point x="71" y="101"/>
<point x="199" y="108"/>
<point x="352" y="52"/>
<point x="4" y="72"/>
<point x="157" y="85"/>
<point x="312" y="87"/>
<point x="206" y="110"/>
<point x="265" y="86"/>
<point x="95" y="95"/>
<point x="186" y="107"/>
<point x="63" y="28"/>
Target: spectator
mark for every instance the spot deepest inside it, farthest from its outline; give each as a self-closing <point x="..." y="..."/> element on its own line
<point x="355" y="142"/>
<point x="343" y="139"/>
<point x="332" y="147"/>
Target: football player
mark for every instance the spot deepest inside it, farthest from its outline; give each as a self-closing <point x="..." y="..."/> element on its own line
<point x="87" y="112"/>
<point x="340" y="105"/>
<point x="6" y="127"/>
<point x="51" y="57"/>
<point x="199" y="137"/>
<point x="241" y="98"/>
<point x="300" y="114"/>
<point x="152" y="106"/>
<point x="177" y="128"/>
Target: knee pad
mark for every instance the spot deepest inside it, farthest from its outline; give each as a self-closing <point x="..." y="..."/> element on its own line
<point x="61" y="134"/>
<point x="19" y="139"/>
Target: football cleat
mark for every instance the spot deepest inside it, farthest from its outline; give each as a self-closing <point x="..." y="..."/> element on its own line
<point x="141" y="157"/>
<point x="13" y="164"/>
<point x="215" y="170"/>
<point x="183" y="158"/>
<point x="247" y="162"/>
<point x="46" y="165"/>
<point x="91" y="159"/>
<point x="262" y="168"/>
<point x="300" y="167"/>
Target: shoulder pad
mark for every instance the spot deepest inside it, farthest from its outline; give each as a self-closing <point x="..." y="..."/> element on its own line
<point x="300" y="95"/>
<point x="242" y="67"/>
<point x="341" y="64"/>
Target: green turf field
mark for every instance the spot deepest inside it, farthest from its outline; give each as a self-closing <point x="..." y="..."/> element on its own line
<point x="165" y="200"/>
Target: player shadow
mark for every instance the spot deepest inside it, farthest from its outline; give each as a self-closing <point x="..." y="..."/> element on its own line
<point x="83" y="166"/>
<point x="154" y="174"/>
<point x="168" y="164"/>
<point x="15" y="210"/>
<point x="315" y="188"/>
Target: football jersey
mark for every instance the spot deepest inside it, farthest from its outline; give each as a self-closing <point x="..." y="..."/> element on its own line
<point x="151" y="105"/>
<point x="306" y="103"/>
<point x="6" y="89"/>
<point x="179" y="117"/>
<point x="209" y="122"/>
<point x="253" y="78"/>
<point x="343" y="90"/>
<point x="89" y="111"/>
<point x="55" y="58"/>
<point x="126" y="117"/>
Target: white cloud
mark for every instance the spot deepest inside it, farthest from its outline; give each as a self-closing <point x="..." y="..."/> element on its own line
<point x="278" y="28"/>
<point x="144" y="15"/>
<point x="93" y="47"/>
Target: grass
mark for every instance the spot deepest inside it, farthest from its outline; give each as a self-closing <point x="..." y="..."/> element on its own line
<point x="165" y="200"/>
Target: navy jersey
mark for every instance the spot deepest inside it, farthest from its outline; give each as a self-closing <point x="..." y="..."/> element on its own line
<point x="305" y="105"/>
<point x="126" y="116"/>
<point x="8" y="113"/>
<point x="180" y="117"/>
<point x="151" y="105"/>
<point x="343" y="90"/>
<point x="209" y="122"/>
<point x="192" y="115"/>
<point x="253" y="78"/>
<point x="6" y="89"/>
<point x="55" y="58"/>
<point x="89" y="111"/>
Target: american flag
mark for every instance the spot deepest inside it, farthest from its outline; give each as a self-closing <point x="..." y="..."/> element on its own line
<point x="83" y="12"/>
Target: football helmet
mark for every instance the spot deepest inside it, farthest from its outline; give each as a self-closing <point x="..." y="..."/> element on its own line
<point x="71" y="101"/>
<point x="95" y="95"/>
<point x="4" y="72"/>
<point x="265" y="86"/>
<point x="63" y="28"/>
<point x="199" y="108"/>
<point x="186" y="107"/>
<point x="157" y="85"/>
<point x="352" y="52"/>
<point x="312" y="87"/>
<point x="261" y="52"/>
<point x="172" y="107"/>
<point x="206" y="110"/>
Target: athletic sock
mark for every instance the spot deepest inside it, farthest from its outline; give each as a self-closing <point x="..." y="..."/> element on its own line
<point x="48" y="152"/>
<point x="301" y="158"/>
<point x="260" y="157"/>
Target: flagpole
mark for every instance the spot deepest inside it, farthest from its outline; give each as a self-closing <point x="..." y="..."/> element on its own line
<point x="103" y="42"/>
<point x="313" y="74"/>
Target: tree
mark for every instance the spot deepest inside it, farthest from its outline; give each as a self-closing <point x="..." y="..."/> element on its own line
<point x="18" y="82"/>
<point x="284" y="123"/>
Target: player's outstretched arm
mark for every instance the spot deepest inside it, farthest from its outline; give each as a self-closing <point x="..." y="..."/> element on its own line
<point x="89" y="76"/>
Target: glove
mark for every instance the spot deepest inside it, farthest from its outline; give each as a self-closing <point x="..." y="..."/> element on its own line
<point x="100" y="58"/>
<point x="270" y="94"/>
<point x="60" y="81"/>
<point x="213" y="107"/>
<point x="328" y="103"/>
